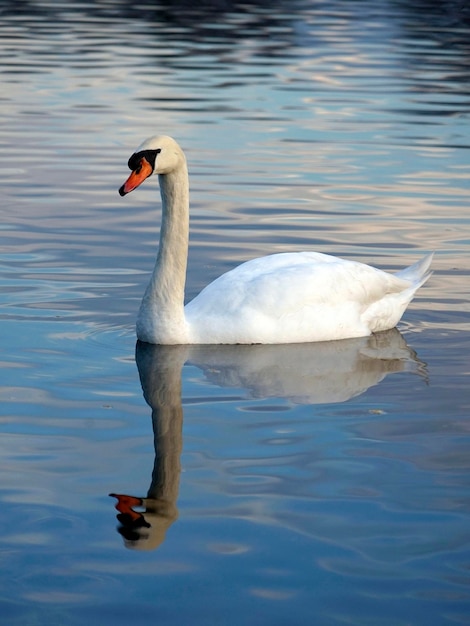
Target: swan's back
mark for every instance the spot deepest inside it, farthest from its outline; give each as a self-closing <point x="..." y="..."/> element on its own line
<point x="301" y="297"/>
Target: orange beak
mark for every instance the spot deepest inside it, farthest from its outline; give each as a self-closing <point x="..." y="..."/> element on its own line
<point x="137" y="177"/>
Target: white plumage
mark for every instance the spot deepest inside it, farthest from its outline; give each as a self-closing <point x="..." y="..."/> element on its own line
<point x="282" y="298"/>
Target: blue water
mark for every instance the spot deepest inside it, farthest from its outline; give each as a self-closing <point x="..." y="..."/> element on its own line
<point x="266" y="485"/>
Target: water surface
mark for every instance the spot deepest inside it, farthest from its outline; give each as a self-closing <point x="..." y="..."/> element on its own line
<point x="315" y="484"/>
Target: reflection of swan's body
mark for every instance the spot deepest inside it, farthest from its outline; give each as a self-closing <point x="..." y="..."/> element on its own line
<point x="315" y="373"/>
<point x="308" y="373"/>
<point x="282" y="298"/>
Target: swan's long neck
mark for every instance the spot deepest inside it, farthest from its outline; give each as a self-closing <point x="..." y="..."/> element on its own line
<point x="161" y="316"/>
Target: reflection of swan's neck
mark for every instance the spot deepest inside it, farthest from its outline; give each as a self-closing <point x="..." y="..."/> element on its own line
<point x="160" y="375"/>
<point x="162" y="309"/>
<point x="167" y="421"/>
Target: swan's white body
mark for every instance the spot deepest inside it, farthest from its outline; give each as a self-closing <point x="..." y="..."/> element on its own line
<point x="282" y="298"/>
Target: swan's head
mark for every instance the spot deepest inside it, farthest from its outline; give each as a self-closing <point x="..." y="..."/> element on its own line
<point x="157" y="155"/>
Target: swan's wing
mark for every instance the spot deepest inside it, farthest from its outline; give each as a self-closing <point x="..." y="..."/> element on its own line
<point x="282" y="283"/>
<point x="290" y="297"/>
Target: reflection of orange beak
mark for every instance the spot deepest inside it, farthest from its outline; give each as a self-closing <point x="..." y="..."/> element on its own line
<point x="137" y="177"/>
<point x="124" y="505"/>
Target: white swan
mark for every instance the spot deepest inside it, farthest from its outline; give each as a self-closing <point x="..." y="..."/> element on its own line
<point x="282" y="298"/>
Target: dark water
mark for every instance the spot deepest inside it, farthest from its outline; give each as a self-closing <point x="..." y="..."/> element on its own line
<point x="317" y="484"/>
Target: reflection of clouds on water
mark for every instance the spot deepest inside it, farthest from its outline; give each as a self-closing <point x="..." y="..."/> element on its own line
<point x="293" y="115"/>
<point x="304" y="373"/>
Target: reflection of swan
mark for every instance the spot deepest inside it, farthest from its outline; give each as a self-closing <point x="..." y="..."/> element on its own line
<point x="160" y="376"/>
<point x="309" y="373"/>
<point x="282" y="298"/>
<point x="306" y="373"/>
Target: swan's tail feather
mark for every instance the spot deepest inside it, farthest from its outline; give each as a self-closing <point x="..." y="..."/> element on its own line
<point x="418" y="273"/>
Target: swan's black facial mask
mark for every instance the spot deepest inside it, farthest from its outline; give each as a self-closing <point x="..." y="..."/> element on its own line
<point x="149" y="155"/>
<point x="142" y="164"/>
